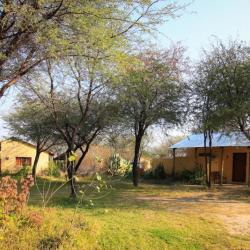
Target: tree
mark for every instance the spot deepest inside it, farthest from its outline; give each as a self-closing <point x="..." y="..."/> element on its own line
<point x="163" y="148"/>
<point x="204" y="112"/>
<point x="221" y="87"/>
<point x="231" y="74"/>
<point x="30" y="122"/>
<point x="150" y="93"/>
<point x="32" y="31"/>
<point x="79" y="103"/>
<point x="119" y="140"/>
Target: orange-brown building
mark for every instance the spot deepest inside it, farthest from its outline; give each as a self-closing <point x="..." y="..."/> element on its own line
<point x="230" y="157"/>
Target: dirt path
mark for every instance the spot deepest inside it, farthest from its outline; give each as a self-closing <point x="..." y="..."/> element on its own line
<point x="230" y="205"/>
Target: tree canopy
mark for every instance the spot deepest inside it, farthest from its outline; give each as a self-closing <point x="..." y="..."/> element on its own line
<point x="150" y="93"/>
<point x="223" y="82"/>
<point x="32" y="31"/>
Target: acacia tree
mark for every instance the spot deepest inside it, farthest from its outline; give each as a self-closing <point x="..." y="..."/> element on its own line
<point x="163" y="149"/>
<point x="30" y="122"/>
<point x="79" y="103"/>
<point x="230" y="68"/>
<point x="150" y="94"/>
<point x="32" y="31"/>
<point x="221" y="86"/>
<point x="204" y="111"/>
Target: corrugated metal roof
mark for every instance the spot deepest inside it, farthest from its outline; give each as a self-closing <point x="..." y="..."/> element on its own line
<point x="218" y="140"/>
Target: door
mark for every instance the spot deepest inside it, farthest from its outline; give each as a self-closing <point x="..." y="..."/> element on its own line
<point x="239" y="167"/>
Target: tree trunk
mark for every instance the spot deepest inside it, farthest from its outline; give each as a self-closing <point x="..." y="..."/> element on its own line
<point x="71" y="176"/>
<point x="136" y="159"/>
<point x="34" y="167"/>
<point x="205" y="155"/>
<point x="84" y="152"/>
<point x="210" y="158"/>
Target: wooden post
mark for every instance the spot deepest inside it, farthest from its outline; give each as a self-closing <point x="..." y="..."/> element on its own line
<point x="173" y="170"/>
<point x="222" y="166"/>
<point x="248" y="170"/>
<point x="195" y="157"/>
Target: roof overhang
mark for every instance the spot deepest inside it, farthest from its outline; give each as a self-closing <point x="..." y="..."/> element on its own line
<point x="218" y="140"/>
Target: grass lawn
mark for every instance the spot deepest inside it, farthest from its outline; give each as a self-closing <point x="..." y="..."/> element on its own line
<point x="151" y="216"/>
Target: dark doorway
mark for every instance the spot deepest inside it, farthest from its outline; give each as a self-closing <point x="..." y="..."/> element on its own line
<point x="239" y="167"/>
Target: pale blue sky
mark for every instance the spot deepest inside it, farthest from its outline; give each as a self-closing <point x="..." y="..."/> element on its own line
<point x="202" y="21"/>
<point x="205" y="19"/>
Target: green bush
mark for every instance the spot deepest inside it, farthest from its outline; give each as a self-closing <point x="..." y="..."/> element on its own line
<point x="192" y="177"/>
<point x="148" y="174"/>
<point x="53" y="169"/>
<point x="24" y="172"/>
<point x="159" y="172"/>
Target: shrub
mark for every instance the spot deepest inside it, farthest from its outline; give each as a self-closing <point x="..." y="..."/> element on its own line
<point x="12" y="200"/>
<point x="148" y="174"/>
<point x="53" y="169"/>
<point x="53" y="242"/>
<point x="24" y="172"/>
<point x="159" y="172"/>
<point x="117" y="166"/>
<point x="192" y="177"/>
<point x="50" y="243"/>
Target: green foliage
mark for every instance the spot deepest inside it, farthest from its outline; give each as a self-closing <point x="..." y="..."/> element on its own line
<point x="195" y="176"/>
<point x="24" y="172"/>
<point x="53" y="169"/>
<point x="159" y="172"/>
<point x="153" y="88"/>
<point x="30" y="121"/>
<point x="95" y="26"/>
<point x="221" y="85"/>
<point x="151" y="93"/>
<point x="148" y="175"/>
<point x="117" y="166"/>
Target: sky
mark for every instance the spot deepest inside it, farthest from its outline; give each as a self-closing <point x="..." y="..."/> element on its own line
<point x="205" y="20"/>
<point x="202" y="22"/>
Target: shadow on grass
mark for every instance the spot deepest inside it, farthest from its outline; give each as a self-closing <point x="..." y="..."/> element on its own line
<point x="123" y="195"/>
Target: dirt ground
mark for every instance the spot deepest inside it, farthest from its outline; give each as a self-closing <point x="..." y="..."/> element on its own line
<point x="228" y="205"/>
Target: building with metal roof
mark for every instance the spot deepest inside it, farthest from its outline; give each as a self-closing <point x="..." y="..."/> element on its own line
<point x="218" y="140"/>
<point x="230" y="157"/>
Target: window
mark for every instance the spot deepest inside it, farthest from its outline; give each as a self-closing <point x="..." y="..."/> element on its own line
<point x="23" y="161"/>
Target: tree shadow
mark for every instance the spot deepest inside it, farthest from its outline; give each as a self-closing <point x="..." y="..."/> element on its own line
<point x="155" y="197"/>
